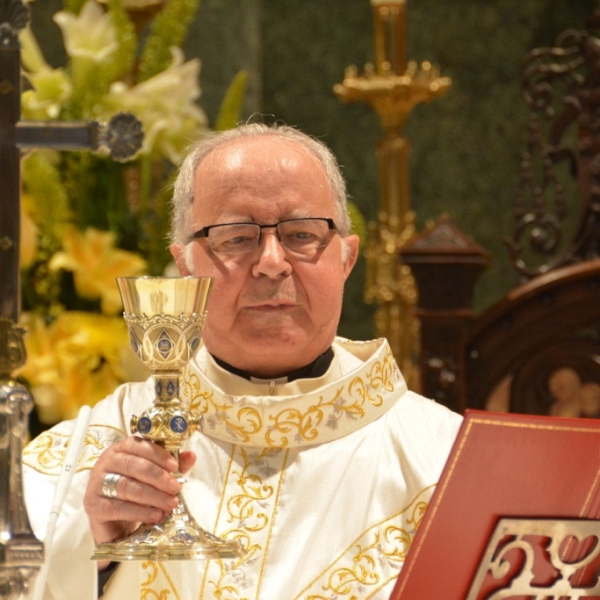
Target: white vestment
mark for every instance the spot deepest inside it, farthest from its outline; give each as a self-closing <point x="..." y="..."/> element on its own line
<point x="325" y="481"/>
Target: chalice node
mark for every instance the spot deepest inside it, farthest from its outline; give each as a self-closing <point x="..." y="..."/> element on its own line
<point x="165" y="316"/>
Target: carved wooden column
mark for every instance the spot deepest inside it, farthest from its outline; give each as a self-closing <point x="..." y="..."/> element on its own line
<point x="446" y="265"/>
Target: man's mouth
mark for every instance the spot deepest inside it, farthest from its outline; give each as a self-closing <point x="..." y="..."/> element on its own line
<point x="272" y="305"/>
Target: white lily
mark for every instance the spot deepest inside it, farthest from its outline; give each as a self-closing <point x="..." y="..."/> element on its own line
<point x="166" y="106"/>
<point x="88" y="35"/>
<point x="51" y="90"/>
<point x="31" y="54"/>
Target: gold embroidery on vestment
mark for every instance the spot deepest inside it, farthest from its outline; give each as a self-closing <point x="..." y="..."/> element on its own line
<point x="251" y="511"/>
<point x="364" y="567"/>
<point x="47" y="452"/>
<point x="246" y="422"/>
<point x="301" y="424"/>
<point x="153" y="570"/>
<point x="253" y="481"/>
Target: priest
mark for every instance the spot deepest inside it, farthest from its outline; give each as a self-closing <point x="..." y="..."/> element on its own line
<point x="314" y="454"/>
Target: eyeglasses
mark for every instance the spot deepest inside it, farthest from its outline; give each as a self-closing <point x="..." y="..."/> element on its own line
<point x="301" y="236"/>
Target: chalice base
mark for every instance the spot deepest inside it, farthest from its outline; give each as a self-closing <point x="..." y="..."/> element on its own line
<point x="176" y="537"/>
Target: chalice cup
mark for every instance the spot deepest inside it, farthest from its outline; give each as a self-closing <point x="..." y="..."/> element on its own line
<point x="165" y="316"/>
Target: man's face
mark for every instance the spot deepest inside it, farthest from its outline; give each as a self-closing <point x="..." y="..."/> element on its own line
<point x="270" y="311"/>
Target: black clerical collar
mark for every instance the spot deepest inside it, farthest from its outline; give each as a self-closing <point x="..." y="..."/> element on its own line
<point x="316" y="368"/>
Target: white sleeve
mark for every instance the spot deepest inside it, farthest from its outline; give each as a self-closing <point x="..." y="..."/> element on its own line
<point x="72" y="574"/>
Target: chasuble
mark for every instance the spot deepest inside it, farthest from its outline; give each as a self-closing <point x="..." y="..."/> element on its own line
<point x="323" y="480"/>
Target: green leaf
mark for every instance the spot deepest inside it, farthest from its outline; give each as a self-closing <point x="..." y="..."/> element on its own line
<point x="74" y="6"/>
<point x="123" y="60"/>
<point x="231" y="107"/>
<point x="359" y="226"/>
<point x="169" y="28"/>
<point x="43" y="183"/>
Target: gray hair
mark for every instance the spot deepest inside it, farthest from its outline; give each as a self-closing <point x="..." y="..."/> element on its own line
<point x="183" y="192"/>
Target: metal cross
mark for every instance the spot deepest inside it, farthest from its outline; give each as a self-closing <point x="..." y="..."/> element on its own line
<point x="122" y="136"/>
<point x="21" y="554"/>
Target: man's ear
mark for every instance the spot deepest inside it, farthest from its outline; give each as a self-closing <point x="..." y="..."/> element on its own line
<point x="350" y="253"/>
<point x="178" y="253"/>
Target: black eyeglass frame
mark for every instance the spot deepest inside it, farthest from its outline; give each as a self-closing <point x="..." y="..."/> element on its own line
<point x="203" y="233"/>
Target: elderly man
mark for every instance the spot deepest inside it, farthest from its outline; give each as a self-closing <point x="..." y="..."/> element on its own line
<point x="314" y="453"/>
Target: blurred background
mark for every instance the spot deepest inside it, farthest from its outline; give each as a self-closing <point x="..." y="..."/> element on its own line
<point x="466" y="144"/>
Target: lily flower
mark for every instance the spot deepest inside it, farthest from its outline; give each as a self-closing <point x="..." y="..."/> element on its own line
<point x="31" y="54"/>
<point x="95" y="263"/>
<point x="51" y="91"/>
<point x="166" y="106"/>
<point x="51" y="88"/>
<point x="88" y="35"/>
<point x="78" y="359"/>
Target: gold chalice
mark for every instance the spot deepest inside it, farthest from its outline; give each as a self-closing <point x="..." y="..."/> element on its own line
<point x="165" y="316"/>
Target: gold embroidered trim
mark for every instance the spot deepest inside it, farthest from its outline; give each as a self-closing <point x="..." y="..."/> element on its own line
<point x="366" y="397"/>
<point x="251" y="511"/>
<point x="47" y="452"/>
<point x="153" y="571"/>
<point x="240" y="427"/>
<point x="373" y="559"/>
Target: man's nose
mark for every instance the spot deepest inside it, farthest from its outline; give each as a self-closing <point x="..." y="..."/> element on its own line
<point x="272" y="259"/>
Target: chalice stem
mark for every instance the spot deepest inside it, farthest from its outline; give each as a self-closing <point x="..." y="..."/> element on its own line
<point x="165" y="316"/>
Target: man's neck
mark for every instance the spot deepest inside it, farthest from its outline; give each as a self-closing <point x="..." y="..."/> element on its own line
<point x="314" y="369"/>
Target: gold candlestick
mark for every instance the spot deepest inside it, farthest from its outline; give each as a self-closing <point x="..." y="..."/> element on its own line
<point x="165" y="317"/>
<point x="390" y="36"/>
<point x="392" y="87"/>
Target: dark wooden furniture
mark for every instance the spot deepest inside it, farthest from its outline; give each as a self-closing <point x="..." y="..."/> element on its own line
<point x="538" y="350"/>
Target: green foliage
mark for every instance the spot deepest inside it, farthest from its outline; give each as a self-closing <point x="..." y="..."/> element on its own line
<point x="73" y="6"/>
<point x="359" y="226"/>
<point x="91" y="79"/>
<point x="46" y="200"/>
<point x="154" y="218"/>
<point x="231" y="107"/>
<point x="123" y="60"/>
<point x="168" y="29"/>
<point x="45" y="194"/>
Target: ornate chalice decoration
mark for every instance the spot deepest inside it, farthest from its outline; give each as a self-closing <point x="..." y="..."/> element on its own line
<point x="165" y="317"/>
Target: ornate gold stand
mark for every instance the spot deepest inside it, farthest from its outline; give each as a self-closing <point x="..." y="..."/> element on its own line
<point x="21" y="553"/>
<point x="393" y="88"/>
<point x="165" y="317"/>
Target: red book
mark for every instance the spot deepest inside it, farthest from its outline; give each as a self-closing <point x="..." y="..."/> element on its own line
<point x="505" y="466"/>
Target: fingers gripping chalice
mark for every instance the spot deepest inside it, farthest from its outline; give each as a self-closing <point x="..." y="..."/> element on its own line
<point x="165" y="316"/>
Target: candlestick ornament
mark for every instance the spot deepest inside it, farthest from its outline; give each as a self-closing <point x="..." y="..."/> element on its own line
<point x="393" y="86"/>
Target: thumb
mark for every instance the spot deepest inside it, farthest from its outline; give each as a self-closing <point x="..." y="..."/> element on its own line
<point x="187" y="459"/>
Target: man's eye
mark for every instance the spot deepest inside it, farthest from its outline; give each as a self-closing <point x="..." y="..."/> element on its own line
<point x="301" y="236"/>
<point x="239" y="241"/>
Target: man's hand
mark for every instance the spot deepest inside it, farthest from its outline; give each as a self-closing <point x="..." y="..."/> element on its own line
<point x="145" y="491"/>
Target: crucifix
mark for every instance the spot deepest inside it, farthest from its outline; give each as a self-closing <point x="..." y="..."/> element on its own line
<point x="21" y="553"/>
